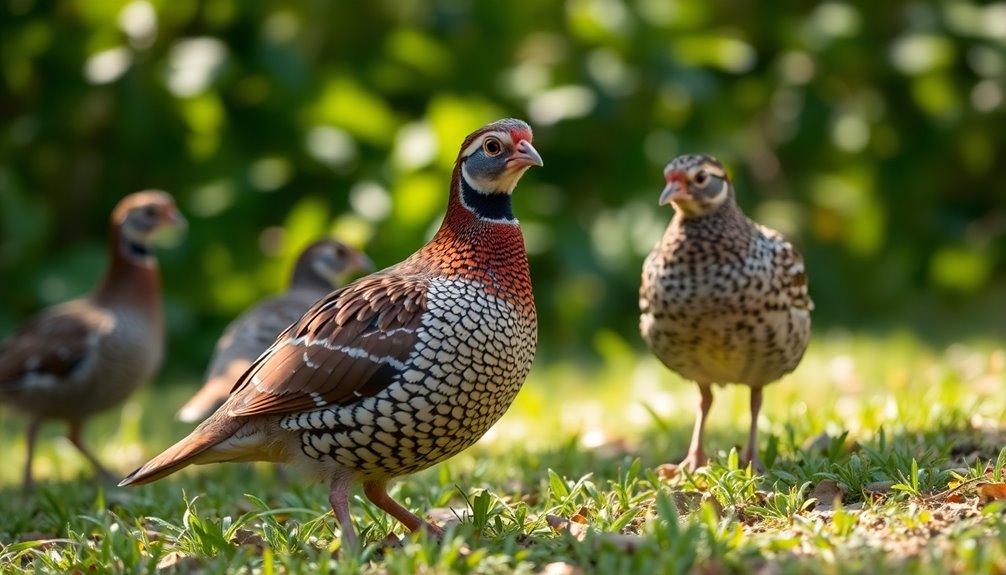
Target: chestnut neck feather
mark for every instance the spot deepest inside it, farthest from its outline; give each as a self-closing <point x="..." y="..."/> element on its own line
<point x="468" y="247"/>
<point x="128" y="282"/>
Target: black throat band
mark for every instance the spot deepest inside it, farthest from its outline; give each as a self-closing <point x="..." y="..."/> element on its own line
<point x="487" y="206"/>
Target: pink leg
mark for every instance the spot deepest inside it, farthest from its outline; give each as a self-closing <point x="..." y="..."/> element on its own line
<point x="696" y="454"/>
<point x="751" y="452"/>
<point x="31" y="434"/>
<point x="338" y="498"/>
<point x="377" y="493"/>
<point x="75" y="438"/>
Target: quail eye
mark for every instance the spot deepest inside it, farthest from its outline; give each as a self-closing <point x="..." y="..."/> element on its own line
<point x="492" y="147"/>
<point x="150" y="211"/>
<point x="702" y="177"/>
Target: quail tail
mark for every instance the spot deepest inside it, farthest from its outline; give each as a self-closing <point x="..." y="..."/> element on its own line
<point x="194" y="449"/>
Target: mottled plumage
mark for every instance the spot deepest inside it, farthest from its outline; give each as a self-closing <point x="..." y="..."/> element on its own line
<point x="723" y="299"/>
<point x="85" y="356"/>
<point x="321" y="267"/>
<point x="403" y="368"/>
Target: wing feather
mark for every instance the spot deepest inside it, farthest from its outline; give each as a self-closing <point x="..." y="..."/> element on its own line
<point x="53" y="346"/>
<point x="350" y="344"/>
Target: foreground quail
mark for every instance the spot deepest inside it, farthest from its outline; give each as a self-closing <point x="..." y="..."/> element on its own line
<point x="723" y="299"/>
<point x="321" y="267"/>
<point x="403" y="368"/>
<point x="87" y="355"/>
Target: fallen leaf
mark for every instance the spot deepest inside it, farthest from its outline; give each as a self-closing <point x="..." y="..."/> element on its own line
<point x="624" y="543"/>
<point x="988" y="492"/>
<point x="668" y="471"/>
<point x="827" y="492"/>
<point x="178" y="562"/>
<point x="559" y="524"/>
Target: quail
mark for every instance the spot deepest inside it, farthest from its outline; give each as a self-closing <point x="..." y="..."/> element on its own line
<point x="87" y="355"/>
<point x="321" y="267"/>
<point x="723" y="299"/>
<point x="403" y="368"/>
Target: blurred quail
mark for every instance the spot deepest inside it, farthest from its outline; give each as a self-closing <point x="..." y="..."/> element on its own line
<point x="723" y="299"/>
<point x="401" y="369"/>
<point x="87" y="355"/>
<point x="321" y="267"/>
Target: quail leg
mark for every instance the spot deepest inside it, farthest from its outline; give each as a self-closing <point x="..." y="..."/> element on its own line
<point x="30" y="436"/>
<point x="338" y="498"/>
<point x="75" y="438"/>
<point x="696" y="455"/>
<point x="377" y="493"/>
<point x="751" y="451"/>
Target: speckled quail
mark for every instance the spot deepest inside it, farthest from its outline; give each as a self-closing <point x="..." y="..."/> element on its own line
<point x="723" y="299"/>
<point x="403" y="368"/>
<point x="321" y="267"/>
<point x="87" y="355"/>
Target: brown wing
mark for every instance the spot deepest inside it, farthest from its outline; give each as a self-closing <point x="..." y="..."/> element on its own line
<point x="790" y="271"/>
<point x="350" y="344"/>
<point x="52" y="346"/>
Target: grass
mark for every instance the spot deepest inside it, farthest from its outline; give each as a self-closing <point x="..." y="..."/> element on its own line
<point x="861" y="446"/>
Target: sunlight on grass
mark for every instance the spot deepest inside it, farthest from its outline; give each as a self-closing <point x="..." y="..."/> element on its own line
<point x="880" y="424"/>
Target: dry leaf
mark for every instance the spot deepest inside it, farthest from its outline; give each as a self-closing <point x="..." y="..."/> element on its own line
<point x="624" y="543"/>
<point x="577" y="530"/>
<point x="826" y="493"/>
<point x="178" y="562"/>
<point x="668" y="471"/>
<point x="988" y="492"/>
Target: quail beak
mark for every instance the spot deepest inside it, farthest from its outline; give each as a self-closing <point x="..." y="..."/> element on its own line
<point x="173" y="218"/>
<point x="524" y="156"/>
<point x="675" y="191"/>
<point x="171" y="229"/>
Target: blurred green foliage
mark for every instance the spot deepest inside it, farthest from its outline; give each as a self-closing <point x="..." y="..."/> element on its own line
<point x="871" y="133"/>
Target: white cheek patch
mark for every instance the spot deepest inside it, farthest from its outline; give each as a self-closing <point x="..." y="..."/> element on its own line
<point x="721" y="195"/>
<point x="478" y="184"/>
